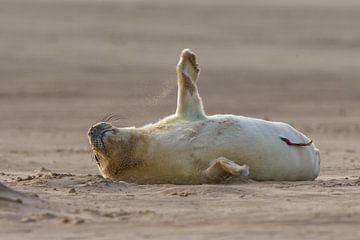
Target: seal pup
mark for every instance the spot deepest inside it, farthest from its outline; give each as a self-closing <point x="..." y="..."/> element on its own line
<point x="190" y="147"/>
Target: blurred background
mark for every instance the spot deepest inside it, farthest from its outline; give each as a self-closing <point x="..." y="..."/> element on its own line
<point x="65" y="64"/>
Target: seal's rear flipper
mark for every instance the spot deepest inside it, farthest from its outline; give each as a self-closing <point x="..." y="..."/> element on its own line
<point x="222" y="168"/>
<point x="189" y="104"/>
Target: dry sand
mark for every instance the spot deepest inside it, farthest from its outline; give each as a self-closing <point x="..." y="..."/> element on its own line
<point x="64" y="64"/>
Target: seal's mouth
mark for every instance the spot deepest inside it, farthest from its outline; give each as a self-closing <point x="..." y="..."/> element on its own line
<point x="97" y="160"/>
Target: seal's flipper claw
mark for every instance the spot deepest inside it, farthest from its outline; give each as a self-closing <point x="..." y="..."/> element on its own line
<point x="189" y="104"/>
<point x="188" y="65"/>
<point x="223" y="168"/>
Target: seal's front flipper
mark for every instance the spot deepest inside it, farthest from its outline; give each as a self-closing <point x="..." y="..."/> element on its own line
<point x="189" y="104"/>
<point x="222" y="169"/>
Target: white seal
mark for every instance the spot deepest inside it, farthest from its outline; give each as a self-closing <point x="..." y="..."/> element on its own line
<point x="190" y="147"/>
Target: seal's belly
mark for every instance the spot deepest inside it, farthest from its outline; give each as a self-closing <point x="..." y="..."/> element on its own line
<point x="191" y="146"/>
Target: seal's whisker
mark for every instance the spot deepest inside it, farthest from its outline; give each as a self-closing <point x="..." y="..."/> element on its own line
<point x="115" y="118"/>
<point x="111" y="118"/>
<point x="106" y="118"/>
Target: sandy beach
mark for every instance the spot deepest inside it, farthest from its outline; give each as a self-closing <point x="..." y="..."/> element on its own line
<point x="66" y="64"/>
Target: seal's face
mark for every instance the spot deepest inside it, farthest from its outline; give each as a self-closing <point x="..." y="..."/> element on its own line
<point x="114" y="149"/>
<point x="105" y="141"/>
<point x="99" y="135"/>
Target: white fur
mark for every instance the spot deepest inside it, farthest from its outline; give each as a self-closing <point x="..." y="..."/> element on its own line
<point x="182" y="148"/>
<point x="249" y="141"/>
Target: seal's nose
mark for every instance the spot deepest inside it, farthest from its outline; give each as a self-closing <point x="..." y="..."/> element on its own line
<point x="98" y="128"/>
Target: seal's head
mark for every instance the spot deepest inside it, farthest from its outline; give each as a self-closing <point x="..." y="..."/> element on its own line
<point x="114" y="148"/>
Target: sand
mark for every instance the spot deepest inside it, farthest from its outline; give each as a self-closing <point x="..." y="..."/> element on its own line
<point x="64" y="65"/>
